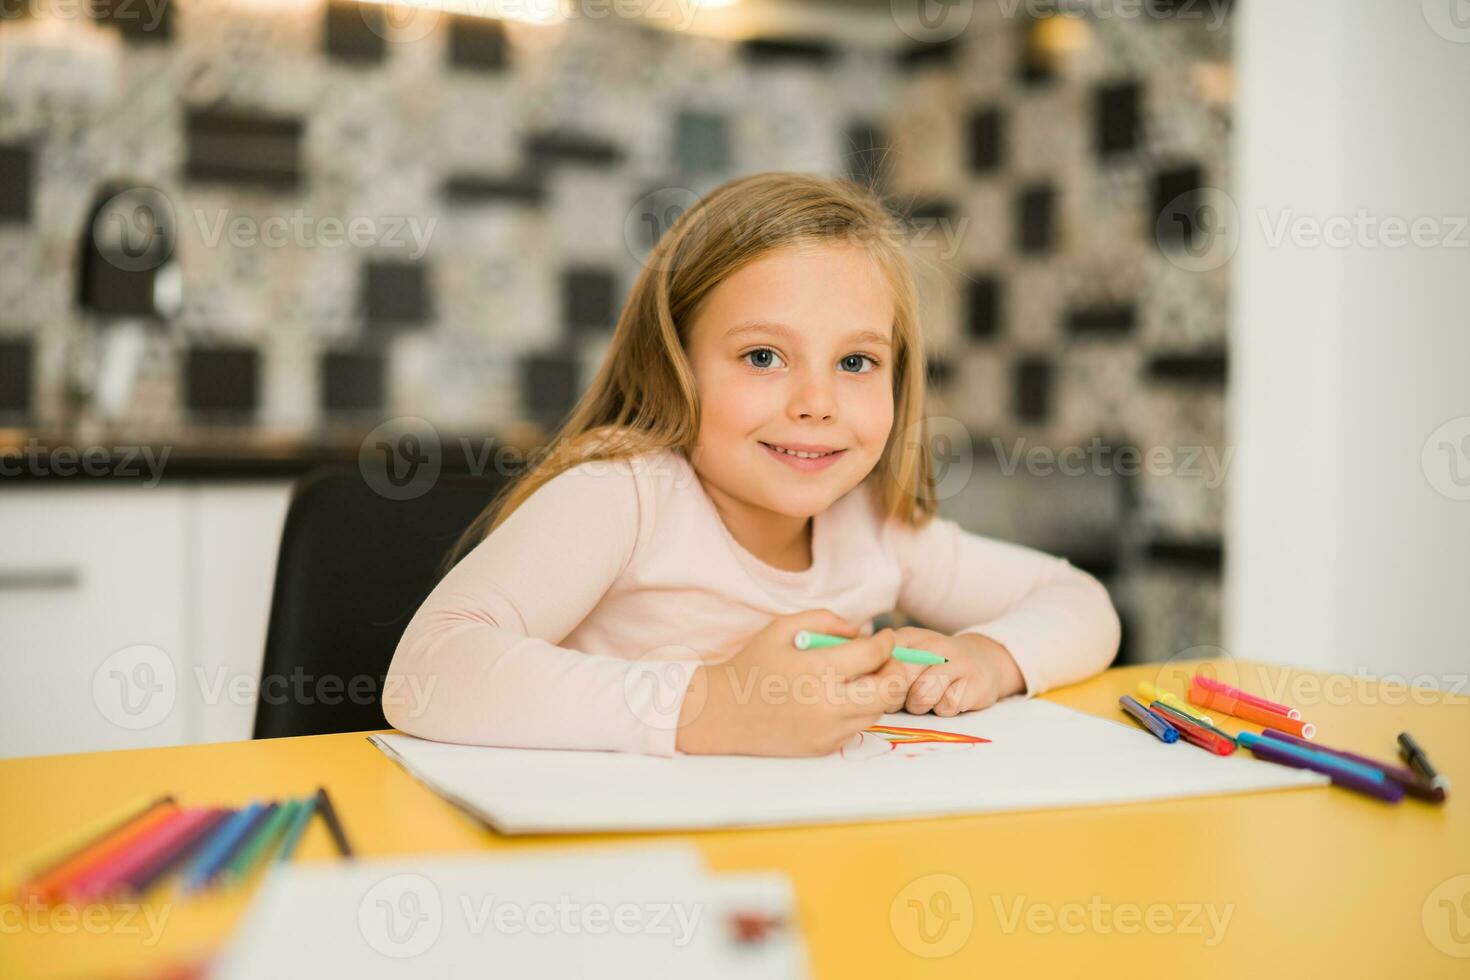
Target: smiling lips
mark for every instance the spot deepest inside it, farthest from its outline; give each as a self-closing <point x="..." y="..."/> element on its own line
<point x="806" y="458"/>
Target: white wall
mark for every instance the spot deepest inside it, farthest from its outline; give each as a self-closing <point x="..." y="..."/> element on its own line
<point x="1348" y="549"/>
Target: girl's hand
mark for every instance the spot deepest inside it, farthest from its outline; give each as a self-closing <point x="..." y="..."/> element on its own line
<point x="773" y="699"/>
<point x="979" y="673"/>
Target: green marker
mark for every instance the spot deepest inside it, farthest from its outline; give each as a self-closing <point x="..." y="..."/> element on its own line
<point x="807" y="640"/>
<point x="295" y="829"/>
<point x="251" y="852"/>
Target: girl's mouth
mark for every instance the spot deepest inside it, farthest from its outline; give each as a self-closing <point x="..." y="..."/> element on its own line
<point x="806" y="462"/>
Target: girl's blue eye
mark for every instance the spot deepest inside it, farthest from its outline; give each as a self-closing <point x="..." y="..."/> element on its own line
<point x="756" y="353"/>
<point x="860" y="359"/>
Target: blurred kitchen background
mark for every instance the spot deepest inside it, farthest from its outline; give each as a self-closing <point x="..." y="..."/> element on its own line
<point x="251" y="233"/>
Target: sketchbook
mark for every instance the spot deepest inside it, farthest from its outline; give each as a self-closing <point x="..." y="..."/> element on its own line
<point x="1021" y="754"/>
<point x="623" y="912"/>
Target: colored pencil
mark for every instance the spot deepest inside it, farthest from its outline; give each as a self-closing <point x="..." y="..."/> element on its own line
<point x="49" y="885"/>
<point x="293" y="832"/>
<point x="150" y="874"/>
<point x="1209" y="683"/>
<point x="1411" y="783"/>
<point x="1342" y="772"/>
<point x="334" y="825"/>
<point x="221" y="845"/>
<point x="36" y="862"/>
<point x="109" y="877"/>
<point x="251" y="850"/>
<point x="1225" y="704"/>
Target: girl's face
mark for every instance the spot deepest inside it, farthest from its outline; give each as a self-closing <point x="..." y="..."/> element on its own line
<point x="794" y="351"/>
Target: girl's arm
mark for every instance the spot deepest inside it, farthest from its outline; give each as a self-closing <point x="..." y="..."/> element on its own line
<point x="479" y="663"/>
<point x="1057" y="621"/>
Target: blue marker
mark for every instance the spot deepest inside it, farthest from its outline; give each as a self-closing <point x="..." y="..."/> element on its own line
<point x="1165" y="731"/>
<point x="1312" y="759"/>
<point x="216" y="851"/>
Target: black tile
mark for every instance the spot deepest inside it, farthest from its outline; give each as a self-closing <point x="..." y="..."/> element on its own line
<point x="112" y="291"/>
<point x="922" y="54"/>
<point x="701" y="142"/>
<point x="127" y="237"/>
<point x="1099" y="562"/>
<point x="396" y="293"/>
<point x="17" y="167"/>
<point x="138" y="22"/>
<point x="772" y="50"/>
<point x="1203" y="556"/>
<point x="1178" y="203"/>
<point x="1033" y="378"/>
<point x="550" y="384"/>
<point x="1187" y="10"/>
<point x="1202" y="368"/>
<point x="1117" y="118"/>
<point x="551" y="147"/>
<point x="16" y="367"/>
<point x="1035" y="66"/>
<point x="986" y="139"/>
<point x="1036" y="219"/>
<point x="984" y="295"/>
<point x="222" y="384"/>
<point x="352" y="382"/>
<point x="866" y="153"/>
<point x="477" y="43"/>
<point x="1113" y="320"/>
<point x="355" y="32"/>
<point x="940" y="370"/>
<point x="236" y="146"/>
<point x="523" y="188"/>
<point x="588" y="297"/>
<point x="931" y="209"/>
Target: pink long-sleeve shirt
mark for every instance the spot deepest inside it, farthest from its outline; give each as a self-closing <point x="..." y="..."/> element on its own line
<point x="577" y="623"/>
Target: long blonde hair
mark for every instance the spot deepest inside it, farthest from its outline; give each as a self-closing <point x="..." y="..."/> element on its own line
<point x="643" y="398"/>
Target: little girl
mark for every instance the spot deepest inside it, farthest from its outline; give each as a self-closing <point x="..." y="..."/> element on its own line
<point x="750" y="461"/>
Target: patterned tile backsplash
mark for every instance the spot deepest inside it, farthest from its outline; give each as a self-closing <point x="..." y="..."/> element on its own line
<point x="241" y="221"/>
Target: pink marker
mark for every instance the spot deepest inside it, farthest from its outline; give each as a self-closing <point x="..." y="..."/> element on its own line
<point x="1209" y="683"/>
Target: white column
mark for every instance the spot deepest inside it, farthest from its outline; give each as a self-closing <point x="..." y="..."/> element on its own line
<point x="1348" y="547"/>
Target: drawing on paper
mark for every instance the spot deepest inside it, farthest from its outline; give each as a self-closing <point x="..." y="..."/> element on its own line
<point x="883" y="739"/>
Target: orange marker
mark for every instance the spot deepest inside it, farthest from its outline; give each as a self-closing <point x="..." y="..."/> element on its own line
<point x="49" y="884"/>
<point x="1217" y="701"/>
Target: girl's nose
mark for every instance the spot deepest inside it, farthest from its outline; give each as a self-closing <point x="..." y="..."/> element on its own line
<point x="813" y="399"/>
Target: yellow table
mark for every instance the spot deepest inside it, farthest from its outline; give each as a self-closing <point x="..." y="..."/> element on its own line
<point x="1308" y="882"/>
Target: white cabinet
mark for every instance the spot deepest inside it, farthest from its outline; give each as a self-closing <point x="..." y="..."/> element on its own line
<point x="132" y="616"/>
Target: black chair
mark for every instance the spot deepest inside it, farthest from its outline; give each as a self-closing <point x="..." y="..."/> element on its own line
<point x="354" y="567"/>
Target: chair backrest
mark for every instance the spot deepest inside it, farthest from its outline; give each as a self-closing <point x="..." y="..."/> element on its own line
<point x="353" y="568"/>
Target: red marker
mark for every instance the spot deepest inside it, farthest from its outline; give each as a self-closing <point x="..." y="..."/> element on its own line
<point x="1209" y="683"/>
<point x="1192" y="731"/>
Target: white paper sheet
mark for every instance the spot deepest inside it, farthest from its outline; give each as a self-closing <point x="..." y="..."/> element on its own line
<point x="634" y="911"/>
<point x="1040" y="755"/>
